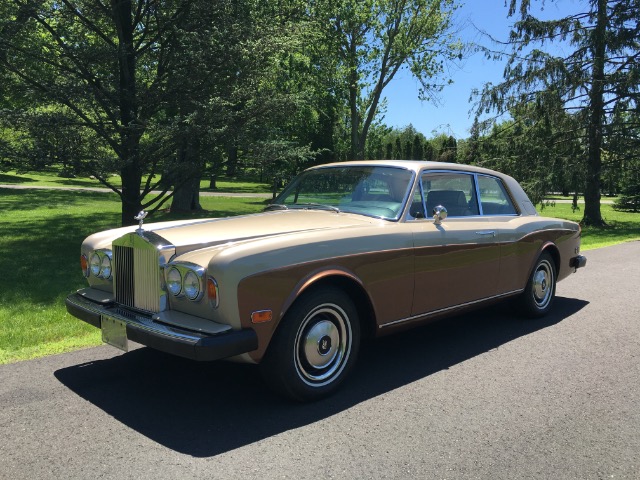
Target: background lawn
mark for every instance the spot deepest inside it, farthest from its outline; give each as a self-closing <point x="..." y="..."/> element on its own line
<point x="51" y="179"/>
<point x="622" y="226"/>
<point x="41" y="233"/>
<point x="39" y="259"/>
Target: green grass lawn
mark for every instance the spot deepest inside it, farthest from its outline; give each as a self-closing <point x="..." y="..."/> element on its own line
<point x="40" y="236"/>
<point x="41" y="233"/>
<point x="623" y="226"/>
<point x="51" y="179"/>
<point x="605" y="198"/>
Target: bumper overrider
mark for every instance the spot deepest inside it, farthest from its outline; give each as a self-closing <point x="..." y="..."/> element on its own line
<point x="144" y="329"/>
<point x="578" y="262"/>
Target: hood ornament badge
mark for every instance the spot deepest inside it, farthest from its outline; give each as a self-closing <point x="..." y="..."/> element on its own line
<point x="140" y="217"/>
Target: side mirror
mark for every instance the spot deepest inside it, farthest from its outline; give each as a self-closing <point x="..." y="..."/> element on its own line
<point x="439" y="214"/>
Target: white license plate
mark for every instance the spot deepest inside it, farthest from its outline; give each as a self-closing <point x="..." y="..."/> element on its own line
<point x="114" y="332"/>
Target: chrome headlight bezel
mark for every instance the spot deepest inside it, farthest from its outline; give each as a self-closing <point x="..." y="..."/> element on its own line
<point x="105" y="267"/>
<point x="174" y="281"/>
<point x="94" y="264"/>
<point x="191" y="285"/>
<point x="99" y="264"/>
<point x="191" y="280"/>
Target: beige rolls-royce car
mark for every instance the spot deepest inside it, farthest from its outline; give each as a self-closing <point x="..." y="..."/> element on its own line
<point x="347" y="251"/>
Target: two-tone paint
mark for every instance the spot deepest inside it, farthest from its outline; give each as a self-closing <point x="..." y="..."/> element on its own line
<point x="399" y="273"/>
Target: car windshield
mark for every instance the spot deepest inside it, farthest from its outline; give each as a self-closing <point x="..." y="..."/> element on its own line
<point x="367" y="190"/>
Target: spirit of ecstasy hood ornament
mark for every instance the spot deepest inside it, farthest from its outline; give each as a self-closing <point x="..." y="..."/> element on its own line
<point x="140" y="217"/>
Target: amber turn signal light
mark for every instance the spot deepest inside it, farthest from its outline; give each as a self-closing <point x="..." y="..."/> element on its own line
<point x="84" y="264"/>
<point x="261" y="316"/>
<point x="212" y="292"/>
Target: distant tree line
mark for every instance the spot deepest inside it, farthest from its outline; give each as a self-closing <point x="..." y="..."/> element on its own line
<point x="575" y="117"/>
<point x="167" y="92"/>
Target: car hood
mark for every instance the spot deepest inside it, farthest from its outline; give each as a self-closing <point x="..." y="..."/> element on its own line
<point x="210" y="232"/>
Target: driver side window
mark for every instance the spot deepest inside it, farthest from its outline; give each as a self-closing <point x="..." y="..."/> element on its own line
<point x="454" y="191"/>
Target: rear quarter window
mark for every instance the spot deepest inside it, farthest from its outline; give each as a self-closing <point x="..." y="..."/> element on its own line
<point x="494" y="197"/>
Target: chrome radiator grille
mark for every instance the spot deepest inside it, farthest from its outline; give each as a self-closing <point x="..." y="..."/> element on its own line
<point x="136" y="272"/>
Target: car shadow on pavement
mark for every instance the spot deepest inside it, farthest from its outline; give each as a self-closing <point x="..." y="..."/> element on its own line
<point x="205" y="409"/>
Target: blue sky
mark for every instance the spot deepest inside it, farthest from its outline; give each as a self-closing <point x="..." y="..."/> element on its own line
<point x="452" y="113"/>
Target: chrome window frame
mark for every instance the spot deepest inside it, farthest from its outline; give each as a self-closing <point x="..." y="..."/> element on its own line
<point x="476" y="186"/>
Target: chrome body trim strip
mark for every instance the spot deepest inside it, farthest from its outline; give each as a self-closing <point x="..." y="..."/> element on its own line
<point x="447" y="309"/>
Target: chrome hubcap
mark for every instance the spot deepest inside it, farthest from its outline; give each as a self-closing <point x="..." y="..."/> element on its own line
<point x="543" y="284"/>
<point x="323" y="344"/>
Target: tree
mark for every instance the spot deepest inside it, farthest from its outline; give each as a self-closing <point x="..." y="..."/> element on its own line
<point x="280" y="161"/>
<point x="398" y="152"/>
<point x="418" y="147"/>
<point x="375" y="39"/>
<point x="539" y="149"/>
<point x="622" y="149"/>
<point x="105" y="64"/>
<point x="448" y="148"/>
<point x="472" y="148"/>
<point x="159" y="86"/>
<point x="598" y="77"/>
<point x="428" y="151"/>
<point x="239" y="81"/>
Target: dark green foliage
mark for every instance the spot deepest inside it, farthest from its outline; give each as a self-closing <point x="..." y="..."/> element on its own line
<point x="597" y="78"/>
<point x="154" y="89"/>
<point x="374" y="39"/>
<point x="538" y="151"/>
<point x="418" y="148"/>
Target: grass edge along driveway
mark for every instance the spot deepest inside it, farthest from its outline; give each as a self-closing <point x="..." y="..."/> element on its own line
<point x="41" y="235"/>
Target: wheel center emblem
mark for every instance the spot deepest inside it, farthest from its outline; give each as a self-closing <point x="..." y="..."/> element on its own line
<point x="324" y="345"/>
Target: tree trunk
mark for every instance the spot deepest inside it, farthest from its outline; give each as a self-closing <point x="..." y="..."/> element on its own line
<point x="356" y="153"/>
<point x="187" y="188"/>
<point x="130" y="131"/>
<point x="354" y="96"/>
<point x="592" y="215"/>
<point x="232" y="160"/>
<point x="131" y="202"/>
<point x="187" y="197"/>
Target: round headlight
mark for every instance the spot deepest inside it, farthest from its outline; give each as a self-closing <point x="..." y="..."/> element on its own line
<point x="191" y="285"/>
<point x="174" y="281"/>
<point x="94" y="264"/>
<point x="105" y="267"/>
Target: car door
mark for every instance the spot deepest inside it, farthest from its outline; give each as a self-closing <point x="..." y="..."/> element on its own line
<point x="516" y="253"/>
<point x="457" y="262"/>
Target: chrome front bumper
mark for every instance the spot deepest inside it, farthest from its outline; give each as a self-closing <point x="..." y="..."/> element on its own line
<point x="147" y="330"/>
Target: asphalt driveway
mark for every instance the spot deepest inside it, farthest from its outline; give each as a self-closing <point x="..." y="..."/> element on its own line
<point x="484" y="395"/>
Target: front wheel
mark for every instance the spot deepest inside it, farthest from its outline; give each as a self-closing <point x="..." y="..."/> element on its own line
<point x="538" y="295"/>
<point x="315" y="346"/>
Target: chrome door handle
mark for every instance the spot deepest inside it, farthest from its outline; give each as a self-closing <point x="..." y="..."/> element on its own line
<point x="487" y="232"/>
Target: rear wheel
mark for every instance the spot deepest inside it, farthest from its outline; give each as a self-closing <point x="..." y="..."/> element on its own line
<point x="315" y="346"/>
<point x="538" y="295"/>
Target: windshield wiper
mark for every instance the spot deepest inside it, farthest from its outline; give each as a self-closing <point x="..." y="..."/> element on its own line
<point x="318" y="205"/>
